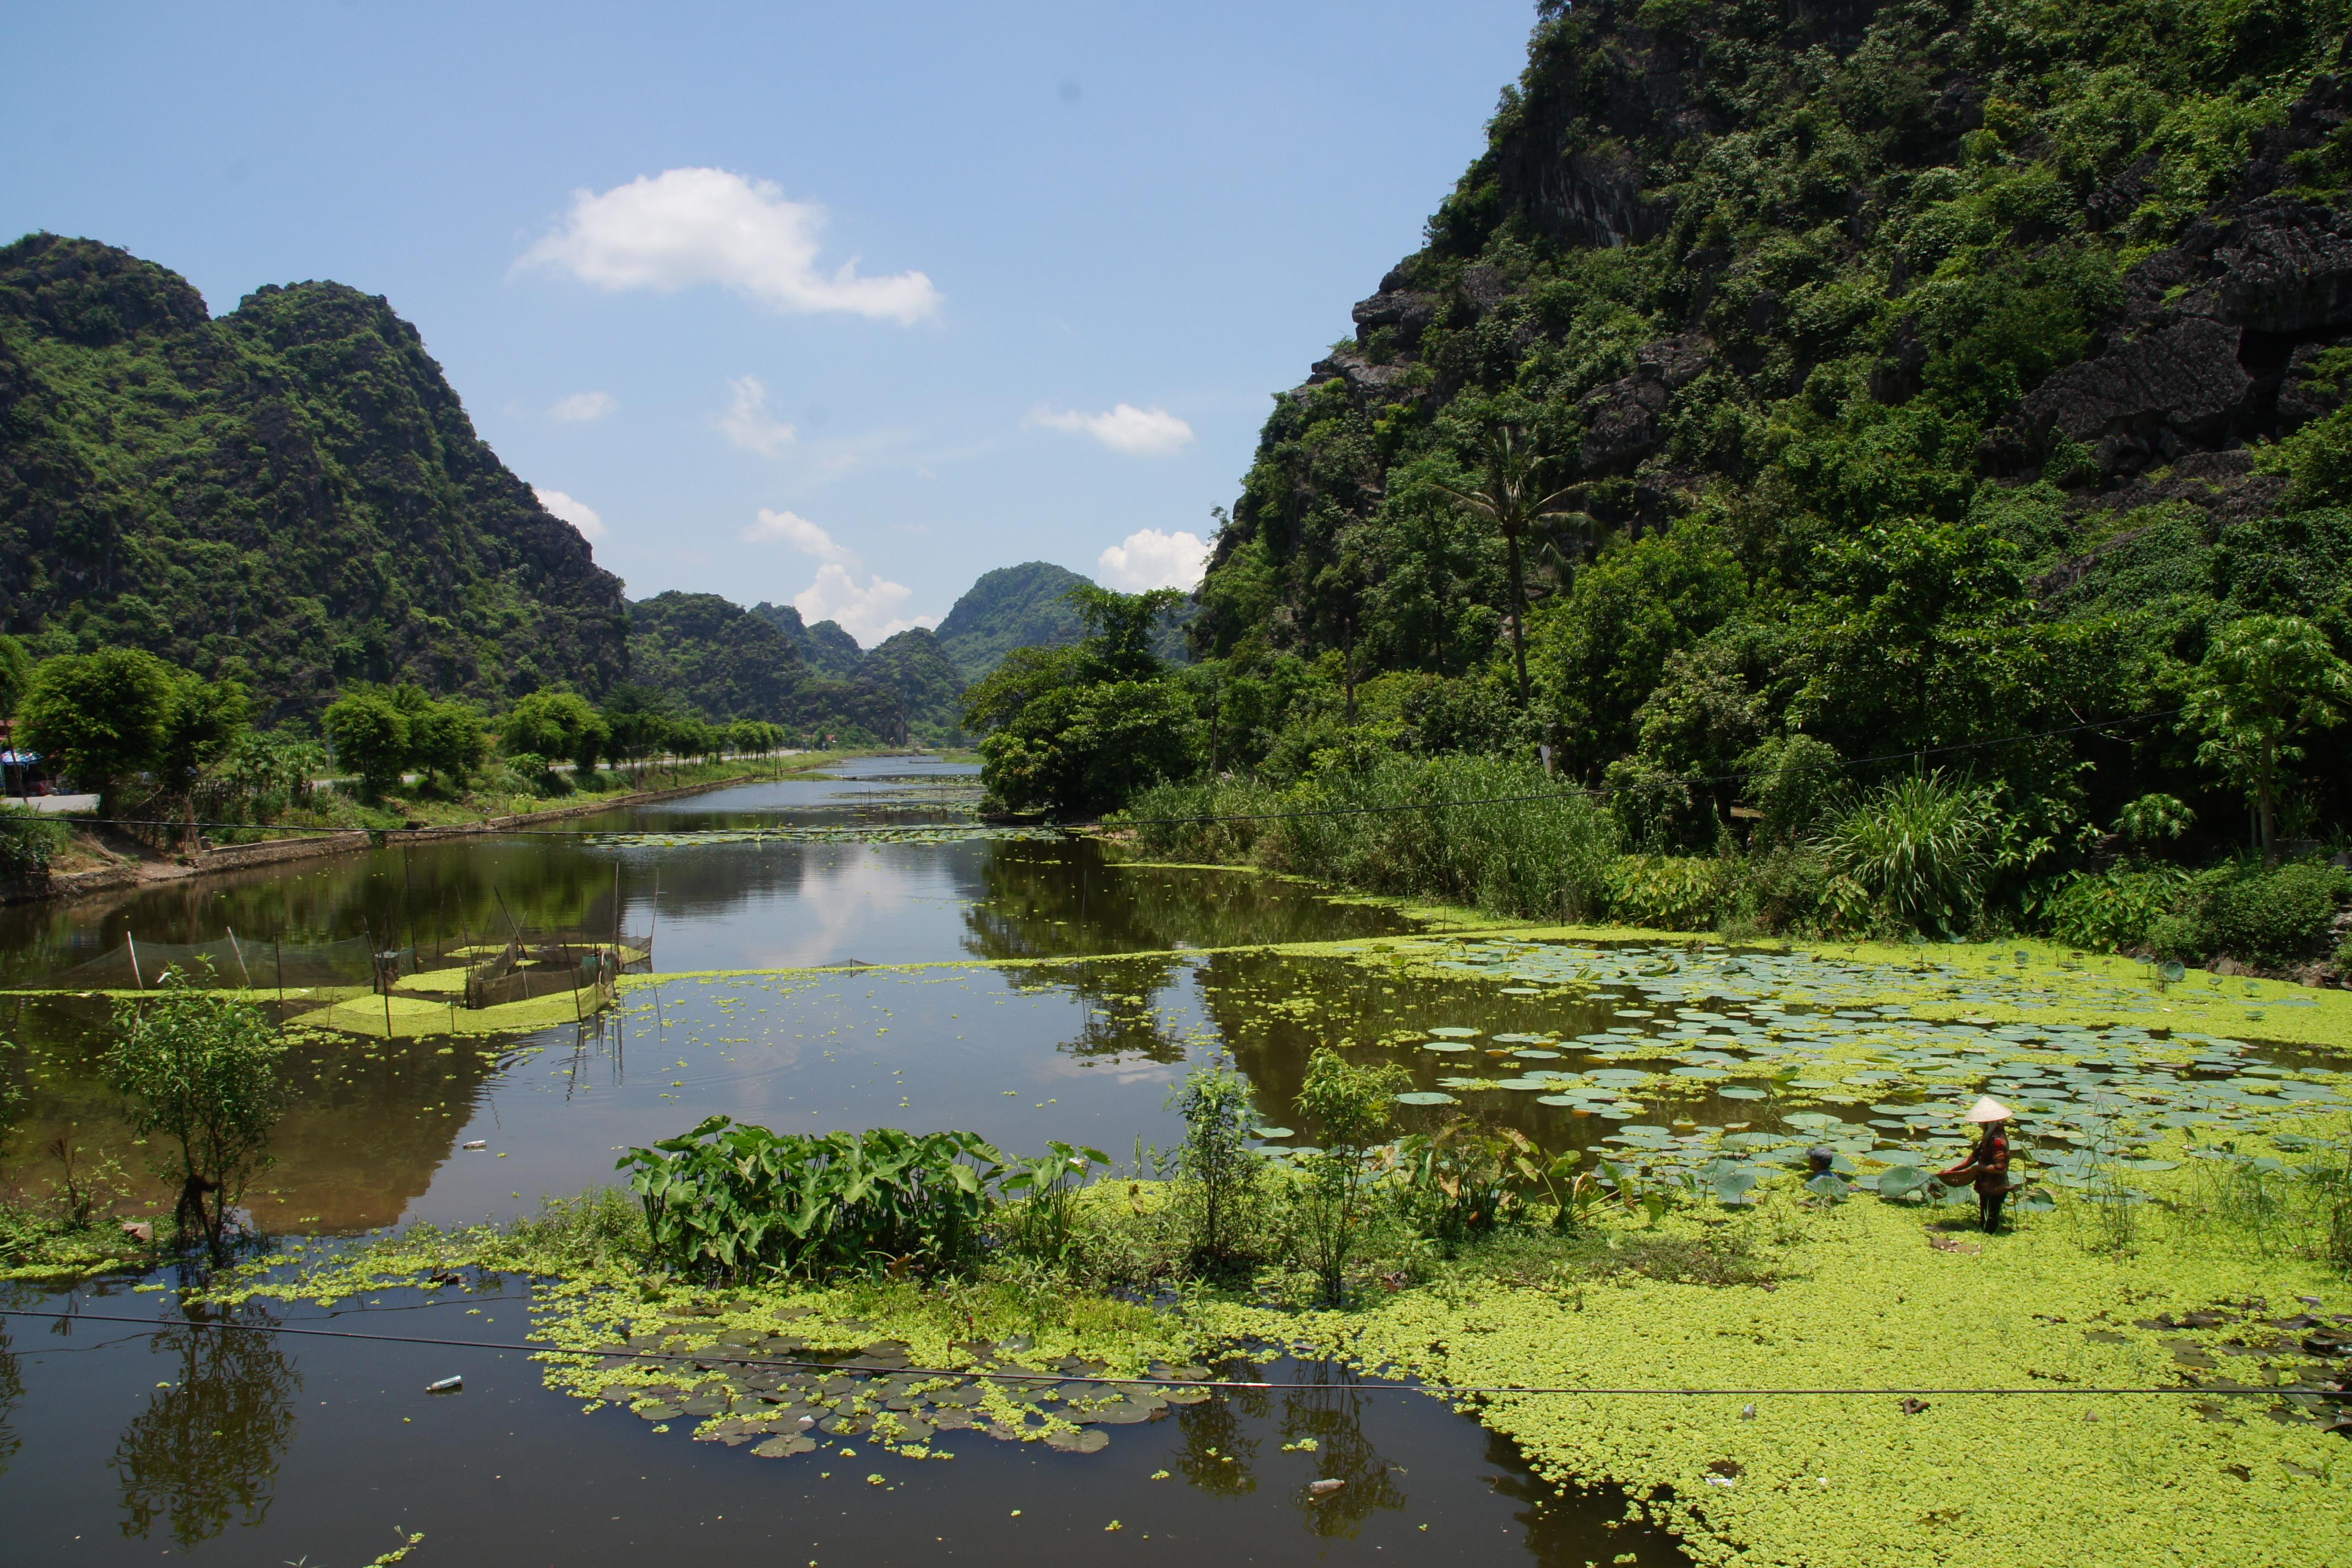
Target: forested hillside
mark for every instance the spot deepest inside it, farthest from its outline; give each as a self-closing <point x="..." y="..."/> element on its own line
<point x="1014" y="606"/>
<point x="1874" y="378"/>
<point x="913" y="665"/>
<point x="290" y="495"/>
<point x="726" y="662"/>
<point x="823" y="646"/>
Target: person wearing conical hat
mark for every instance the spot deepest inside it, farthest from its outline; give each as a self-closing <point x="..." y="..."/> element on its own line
<point x="1987" y="1163"/>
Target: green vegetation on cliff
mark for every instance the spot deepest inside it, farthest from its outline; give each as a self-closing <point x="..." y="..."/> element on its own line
<point x="287" y="496"/>
<point x="913" y="665"/>
<point x="732" y="663"/>
<point x="1896" y="378"/>
<point x="1014" y="606"/>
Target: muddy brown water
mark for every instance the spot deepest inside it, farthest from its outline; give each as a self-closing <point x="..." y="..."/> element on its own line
<point x="128" y="1443"/>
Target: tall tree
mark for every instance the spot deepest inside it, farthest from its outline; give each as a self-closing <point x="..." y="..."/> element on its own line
<point x="102" y="715"/>
<point x="2266" y="681"/>
<point x="1505" y="495"/>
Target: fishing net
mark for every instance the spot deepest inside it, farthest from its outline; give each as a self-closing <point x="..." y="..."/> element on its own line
<point x="229" y="960"/>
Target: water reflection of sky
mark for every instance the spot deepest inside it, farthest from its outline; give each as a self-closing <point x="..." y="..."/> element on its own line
<point x="1021" y="1054"/>
<point x="264" y="1449"/>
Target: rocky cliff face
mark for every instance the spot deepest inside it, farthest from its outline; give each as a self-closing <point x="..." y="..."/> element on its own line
<point x="291" y="494"/>
<point x="1817" y="268"/>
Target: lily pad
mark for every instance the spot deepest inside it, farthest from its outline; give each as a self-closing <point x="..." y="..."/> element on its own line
<point x="786" y="1446"/>
<point x="1426" y="1097"/>
<point x="1272" y="1132"/>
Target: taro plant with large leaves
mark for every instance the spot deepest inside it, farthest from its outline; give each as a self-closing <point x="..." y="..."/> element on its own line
<point x="1461" y="1182"/>
<point x="1044" y="1223"/>
<point x="732" y="1202"/>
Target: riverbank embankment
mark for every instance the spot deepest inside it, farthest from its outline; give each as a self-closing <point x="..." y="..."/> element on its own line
<point x="100" y="860"/>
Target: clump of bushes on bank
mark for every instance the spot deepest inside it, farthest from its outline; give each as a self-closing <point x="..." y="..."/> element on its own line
<point x="28" y="843"/>
<point x="728" y="1203"/>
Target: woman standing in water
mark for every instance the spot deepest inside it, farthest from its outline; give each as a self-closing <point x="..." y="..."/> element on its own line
<point x="1987" y="1163"/>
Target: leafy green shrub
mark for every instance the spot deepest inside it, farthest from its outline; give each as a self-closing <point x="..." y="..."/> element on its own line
<point x="1922" y="846"/>
<point x="1669" y="892"/>
<point x="1217" y="1190"/>
<point x="2257" y="914"/>
<point x="199" y="1068"/>
<point x="531" y="771"/>
<point x="28" y="843"/>
<point x="2155" y="816"/>
<point x="2115" y="910"/>
<point x="1780" y="889"/>
<point x="1792" y="780"/>
<point x="1353" y="1105"/>
<point x="730" y="1202"/>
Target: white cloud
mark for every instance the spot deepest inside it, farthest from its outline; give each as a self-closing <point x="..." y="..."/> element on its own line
<point x="789" y="527"/>
<point x="748" y="423"/>
<point x="687" y="226"/>
<point x="1137" y="432"/>
<point x="583" y="406"/>
<point x="1150" y="559"/>
<point x="868" y="613"/>
<point x="578" y="514"/>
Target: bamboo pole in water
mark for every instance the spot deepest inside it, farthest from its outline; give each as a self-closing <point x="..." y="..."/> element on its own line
<point x="133" y="946"/>
<point x="241" y="969"/>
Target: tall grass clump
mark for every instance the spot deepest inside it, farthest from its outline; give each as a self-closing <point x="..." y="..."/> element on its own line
<point x="1528" y="846"/>
<point x="1921" y="846"/>
<point x="1532" y="848"/>
<point x="2297" y="1204"/>
<point x="1216" y="821"/>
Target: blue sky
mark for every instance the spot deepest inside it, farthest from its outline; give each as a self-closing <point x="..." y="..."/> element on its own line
<point x="839" y="304"/>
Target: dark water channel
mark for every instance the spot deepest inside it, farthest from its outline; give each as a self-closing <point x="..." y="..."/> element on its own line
<point x="125" y="1444"/>
<point x="129" y="1443"/>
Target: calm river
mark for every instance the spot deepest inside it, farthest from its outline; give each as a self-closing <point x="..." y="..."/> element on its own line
<point x="126" y="1442"/>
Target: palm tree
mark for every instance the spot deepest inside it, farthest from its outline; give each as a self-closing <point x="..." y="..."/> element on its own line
<point x="1501" y="496"/>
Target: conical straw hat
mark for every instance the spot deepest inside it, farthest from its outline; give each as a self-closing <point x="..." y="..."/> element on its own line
<point x="1988" y="1109"/>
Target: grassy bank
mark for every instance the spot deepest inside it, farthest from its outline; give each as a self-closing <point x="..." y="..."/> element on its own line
<point x="1920" y="858"/>
<point x="476" y="805"/>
